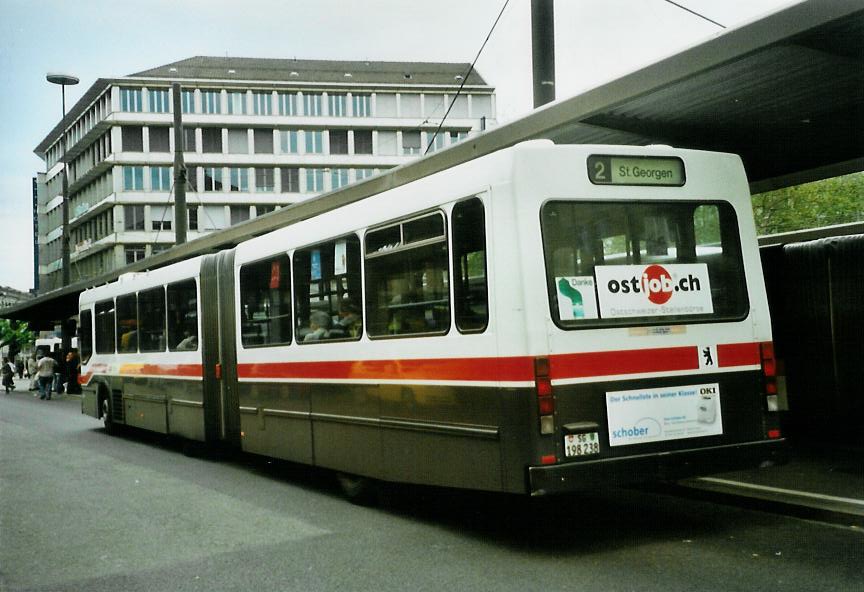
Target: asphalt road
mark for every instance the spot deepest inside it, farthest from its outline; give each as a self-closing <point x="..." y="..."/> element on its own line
<point x="83" y="510"/>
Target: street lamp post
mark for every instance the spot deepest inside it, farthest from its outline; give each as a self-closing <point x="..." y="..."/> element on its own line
<point x="64" y="80"/>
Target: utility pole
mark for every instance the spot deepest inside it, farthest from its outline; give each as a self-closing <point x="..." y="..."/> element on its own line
<point x="543" y="51"/>
<point x="180" y="222"/>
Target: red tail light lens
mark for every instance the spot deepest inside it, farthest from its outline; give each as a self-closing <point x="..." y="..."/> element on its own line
<point x="769" y="363"/>
<point x="545" y="400"/>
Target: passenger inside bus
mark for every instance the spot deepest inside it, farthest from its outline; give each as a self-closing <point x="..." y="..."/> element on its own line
<point x="319" y="325"/>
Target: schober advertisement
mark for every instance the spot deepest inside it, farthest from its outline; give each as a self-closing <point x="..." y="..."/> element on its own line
<point x="653" y="290"/>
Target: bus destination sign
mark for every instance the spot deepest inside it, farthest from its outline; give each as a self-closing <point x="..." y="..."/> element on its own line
<point x="638" y="170"/>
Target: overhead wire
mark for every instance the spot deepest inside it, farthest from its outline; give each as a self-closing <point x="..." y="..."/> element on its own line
<point x="465" y="78"/>
<point x="691" y="11"/>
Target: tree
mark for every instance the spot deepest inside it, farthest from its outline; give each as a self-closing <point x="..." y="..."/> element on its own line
<point x="16" y="335"/>
<point x="822" y="203"/>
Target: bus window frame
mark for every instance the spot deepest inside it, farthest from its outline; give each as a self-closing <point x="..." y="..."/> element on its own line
<point x="656" y="321"/>
<point x="444" y="239"/>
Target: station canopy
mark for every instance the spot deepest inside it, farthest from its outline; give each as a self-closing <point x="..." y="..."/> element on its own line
<point x="786" y="92"/>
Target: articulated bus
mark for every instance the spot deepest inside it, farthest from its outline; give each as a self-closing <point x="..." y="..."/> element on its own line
<point x="539" y="320"/>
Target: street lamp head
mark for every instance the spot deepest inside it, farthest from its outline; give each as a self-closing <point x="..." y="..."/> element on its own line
<point x="61" y="78"/>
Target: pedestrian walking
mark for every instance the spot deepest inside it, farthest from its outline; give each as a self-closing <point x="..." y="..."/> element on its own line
<point x="19" y="367"/>
<point x="45" y="368"/>
<point x="8" y="373"/>
<point x="32" y="371"/>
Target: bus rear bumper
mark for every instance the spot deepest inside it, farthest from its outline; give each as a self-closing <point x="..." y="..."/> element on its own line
<point x="667" y="466"/>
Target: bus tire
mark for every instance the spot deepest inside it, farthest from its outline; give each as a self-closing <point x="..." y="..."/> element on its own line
<point x="359" y="490"/>
<point x="107" y="420"/>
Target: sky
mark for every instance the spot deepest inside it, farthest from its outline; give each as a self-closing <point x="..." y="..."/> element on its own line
<point x="595" y="41"/>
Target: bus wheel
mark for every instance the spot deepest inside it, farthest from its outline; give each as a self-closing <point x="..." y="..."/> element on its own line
<point x="359" y="490"/>
<point x="107" y="421"/>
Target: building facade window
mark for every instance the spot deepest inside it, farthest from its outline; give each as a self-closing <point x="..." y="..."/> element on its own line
<point x="161" y="218"/>
<point x="314" y="141"/>
<point x="211" y="140"/>
<point x="189" y="143"/>
<point x="212" y="179"/>
<point x="338" y="178"/>
<point x="411" y="142"/>
<point x="239" y="214"/>
<point x="363" y="173"/>
<point x="314" y="180"/>
<point x="290" y="177"/>
<point x="238" y="141"/>
<point x="193" y="218"/>
<point x="362" y="105"/>
<point x="134" y="253"/>
<point x="265" y="179"/>
<point x="287" y="103"/>
<point x="131" y="100"/>
<point x="187" y="100"/>
<point x="237" y="103"/>
<point x="457" y="136"/>
<point x="263" y="103"/>
<point x="132" y="137"/>
<point x="263" y="140"/>
<point x="160" y="178"/>
<point x="409" y="105"/>
<point x="312" y="104"/>
<point x="159" y="139"/>
<point x="159" y="101"/>
<point x="211" y="101"/>
<point x="133" y="178"/>
<point x="133" y="218"/>
<point x="288" y="141"/>
<point x="387" y="143"/>
<point x="338" y="105"/>
<point x="338" y="141"/>
<point x="239" y="179"/>
<point x="362" y="141"/>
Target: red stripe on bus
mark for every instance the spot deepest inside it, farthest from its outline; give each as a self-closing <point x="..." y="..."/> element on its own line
<point x="187" y="370"/>
<point x="738" y="354"/>
<point x="516" y="369"/>
<point x="512" y="369"/>
<point x="636" y="361"/>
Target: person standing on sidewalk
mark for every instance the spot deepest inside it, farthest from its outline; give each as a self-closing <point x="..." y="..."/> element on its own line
<point x="8" y="373"/>
<point x="32" y="371"/>
<point x="45" y="367"/>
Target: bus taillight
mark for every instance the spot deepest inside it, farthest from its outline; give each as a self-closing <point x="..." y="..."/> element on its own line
<point x="545" y="400"/>
<point x="769" y="375"/>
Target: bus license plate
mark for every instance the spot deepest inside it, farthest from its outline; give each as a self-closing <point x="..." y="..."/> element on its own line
<point x="581" y="444"/>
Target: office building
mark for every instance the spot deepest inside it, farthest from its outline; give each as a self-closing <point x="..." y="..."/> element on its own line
<point x="259" y="134"/>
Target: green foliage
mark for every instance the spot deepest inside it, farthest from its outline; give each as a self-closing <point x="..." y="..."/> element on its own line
<point x="822" y="203"/>
<point x="16" y="335"/>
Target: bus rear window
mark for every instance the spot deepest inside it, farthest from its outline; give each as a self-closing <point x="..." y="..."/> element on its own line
<point x="637" y="263"/>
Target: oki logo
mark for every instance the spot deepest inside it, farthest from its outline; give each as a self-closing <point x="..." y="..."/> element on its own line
<point x="655" y="282"/>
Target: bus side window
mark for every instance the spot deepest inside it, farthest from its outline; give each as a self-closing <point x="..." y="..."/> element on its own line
<point x="127" y="323"/>
<point x="151" y="315"/>
<point x="182" y="301"/>
<point x="85" y="335"/>
<point x="407" y="278"/>
<point x="470" y="285"/>
<point x="265" y="302"/>
<point x="327" y="291"/>
<point x="105" y="327"/>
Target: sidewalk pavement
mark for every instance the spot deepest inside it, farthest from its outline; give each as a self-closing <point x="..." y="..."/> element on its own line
<point x="824" y="483"/>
